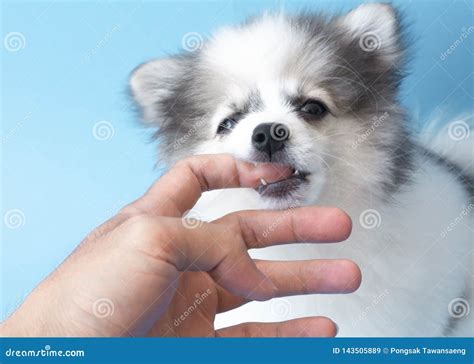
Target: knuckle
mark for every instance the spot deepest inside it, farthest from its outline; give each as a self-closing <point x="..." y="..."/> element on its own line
<point x="188" y="162"/>
<point x="149" y="234"/>
<point x="142" y="225"/>
<point x="237" y="226"/>
<point x="183" y="163"/>
<point x="152" y="240"/>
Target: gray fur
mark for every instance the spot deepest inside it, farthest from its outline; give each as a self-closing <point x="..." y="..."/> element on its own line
<point x="363" y="85"/>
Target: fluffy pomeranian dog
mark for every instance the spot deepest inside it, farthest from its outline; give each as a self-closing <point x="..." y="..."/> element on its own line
<point x="319" y="94"/>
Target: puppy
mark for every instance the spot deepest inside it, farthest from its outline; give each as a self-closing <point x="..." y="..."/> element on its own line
<point x="320" y="94"/>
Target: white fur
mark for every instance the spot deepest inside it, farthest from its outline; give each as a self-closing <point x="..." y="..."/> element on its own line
<point x="377" y="21"/>
<point x="455" y="140"/>
<point x="418" y="257"/>
<point x="410" y="271"/>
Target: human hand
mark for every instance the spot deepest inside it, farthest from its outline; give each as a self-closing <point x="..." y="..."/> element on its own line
<point x="140" y="271"/>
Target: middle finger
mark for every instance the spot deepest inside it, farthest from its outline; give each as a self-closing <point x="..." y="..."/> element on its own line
<point x="301" y="277"/>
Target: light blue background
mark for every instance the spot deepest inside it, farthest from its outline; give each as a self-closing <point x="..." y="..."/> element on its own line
<point x="72" y="73"/>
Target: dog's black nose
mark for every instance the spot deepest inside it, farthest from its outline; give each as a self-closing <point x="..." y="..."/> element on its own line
<point x="270" y="137"/>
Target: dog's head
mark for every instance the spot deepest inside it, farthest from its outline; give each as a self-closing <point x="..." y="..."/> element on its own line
<point x="315" y="93"/>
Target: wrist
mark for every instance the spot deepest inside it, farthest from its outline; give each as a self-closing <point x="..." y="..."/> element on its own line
<point x="33" y="319"/>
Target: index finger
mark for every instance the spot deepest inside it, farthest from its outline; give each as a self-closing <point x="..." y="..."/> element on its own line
<point x="179" y="189"/>
<point x="260" y="229"/>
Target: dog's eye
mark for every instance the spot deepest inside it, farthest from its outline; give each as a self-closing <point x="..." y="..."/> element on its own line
<point x="314" y="108"/>
<point x="226" y="125"/>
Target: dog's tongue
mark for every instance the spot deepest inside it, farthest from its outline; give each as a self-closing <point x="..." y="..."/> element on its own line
<point x="273" y="172"/>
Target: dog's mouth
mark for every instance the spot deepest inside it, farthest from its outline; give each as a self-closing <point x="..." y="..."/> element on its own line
<point x="283" y="187"/>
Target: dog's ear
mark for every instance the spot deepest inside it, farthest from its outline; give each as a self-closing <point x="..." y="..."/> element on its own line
<point x="376" y="28"/>
<point x="153" y="81"/>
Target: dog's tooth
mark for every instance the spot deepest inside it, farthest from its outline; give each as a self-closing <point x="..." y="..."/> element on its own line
<point x="296" y="172"/>
<point x="263" y="182"/>
<point x="255" y="164"/>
